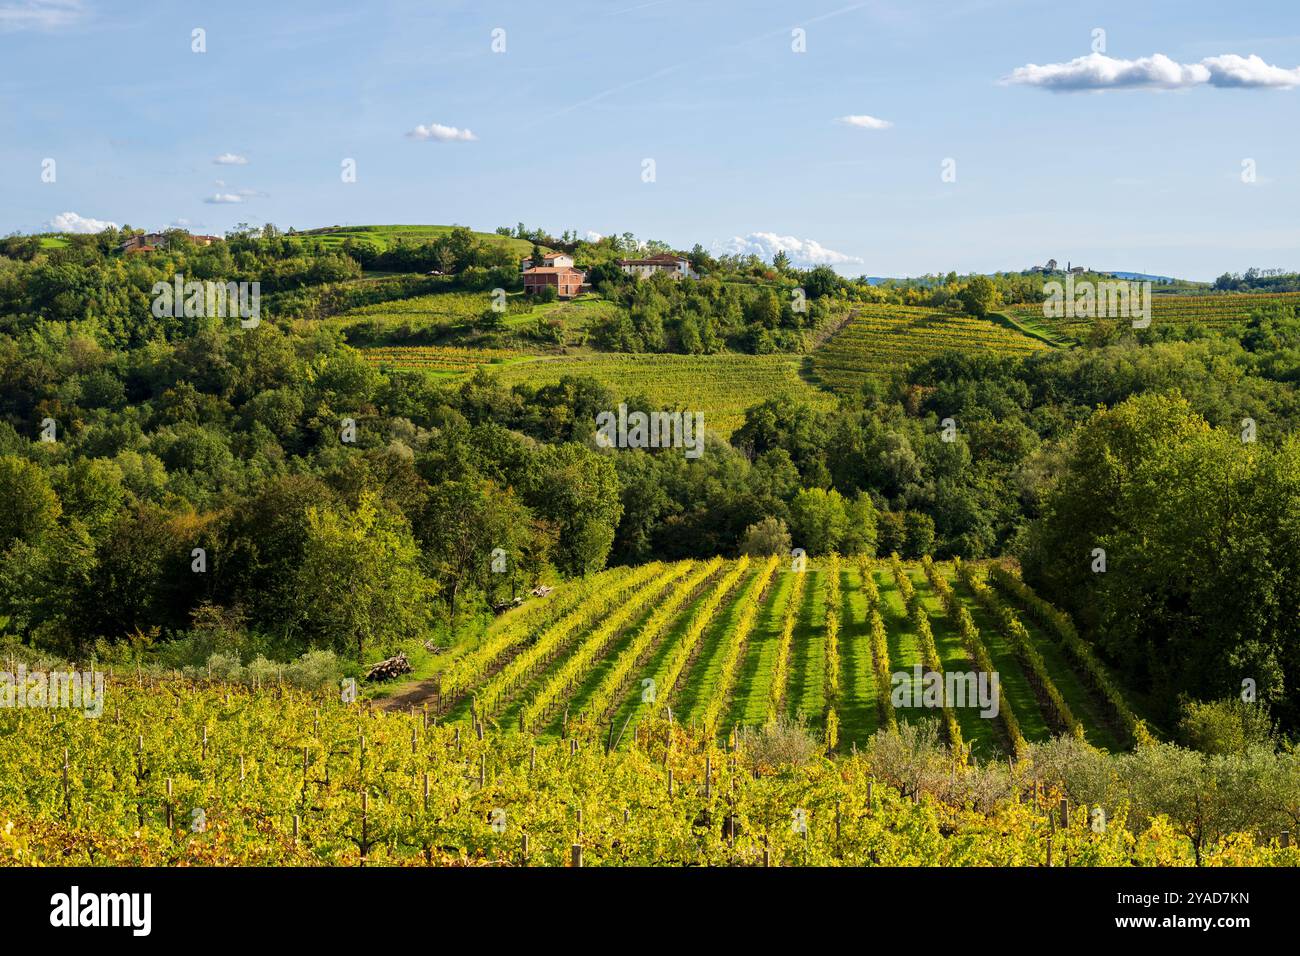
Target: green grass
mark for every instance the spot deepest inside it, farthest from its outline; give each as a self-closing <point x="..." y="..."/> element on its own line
<point x="806" y="695"/>
<point x="1083" y="704"/>
<point x="858" y="713"/>
<point x="750" y="703"/>
<point x="980" y="731"/>
<point x="702" y="676"/>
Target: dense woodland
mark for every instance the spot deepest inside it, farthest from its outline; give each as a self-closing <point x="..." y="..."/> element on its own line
<point x="176" y="434"/>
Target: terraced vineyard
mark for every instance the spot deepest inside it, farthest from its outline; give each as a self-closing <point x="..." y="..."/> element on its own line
<point x="722" y="386"/>
<point x="723" y="644"/>
<point x="440" y="360"/>
<point x="881" y="339"/>
<point x="1217" y="311"/>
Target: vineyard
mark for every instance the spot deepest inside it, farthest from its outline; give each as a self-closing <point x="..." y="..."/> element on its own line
<point x="722" y="386"/>
<point x="1215" y="311"/>
<point x="438" y="360"/>
<point x="385" y="236"/>
<point x="723" y="644"/>
<point x="616" y="722"/>
<point x="881" y="339"/>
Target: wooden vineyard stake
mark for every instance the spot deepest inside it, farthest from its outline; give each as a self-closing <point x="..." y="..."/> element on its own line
<point x="523" y="850"/>
<point x="708" y="777"/>
<point x="576" y="857"/>
<point x="532" y="759"/>
<point x="1065" y="814"/>
<point x="1286" y="839"/>
<point x="670" y="784"/>
<point x="67" y="795"/>
<point x="426" y="791"/>
<point x="170" y="810"/>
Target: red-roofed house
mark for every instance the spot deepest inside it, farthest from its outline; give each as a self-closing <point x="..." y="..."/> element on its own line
<point x="566" y="280"/>
<point x="679" y="267"/>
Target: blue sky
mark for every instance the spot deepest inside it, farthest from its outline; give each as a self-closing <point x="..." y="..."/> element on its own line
<point x="1109" y="163"/>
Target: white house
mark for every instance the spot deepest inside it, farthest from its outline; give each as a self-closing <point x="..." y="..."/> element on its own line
<point x="679" y="267"/>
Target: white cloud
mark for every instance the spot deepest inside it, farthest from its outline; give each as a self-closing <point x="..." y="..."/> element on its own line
<point x="591" y="235"/>
<point x="71" y="222"/>
<point x="765" y="245"/>
<point x="863" y="121"/>
<point x="40" y="14"/>
<point x="231" y="159"/>
<point x="219" y="198"/>
<point x="1096" y="71"/>
<point x="443" y="134"/>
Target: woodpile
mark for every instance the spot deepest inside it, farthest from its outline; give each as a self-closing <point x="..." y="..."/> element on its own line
<point x="387" y="670"/>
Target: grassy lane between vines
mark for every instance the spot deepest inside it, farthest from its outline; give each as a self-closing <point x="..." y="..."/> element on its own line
<point x="859" y="715"/>
<point x="805" y="697"/>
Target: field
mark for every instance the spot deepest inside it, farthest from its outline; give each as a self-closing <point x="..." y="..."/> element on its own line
<point x="385" y="236"/>
<point x="882" y="339"/>
<point x="1216" y="311"/>
<point x="440" y="361"/>
<point x="605" y="724"/>
<point x="727" y="643"/>
<point x="722" y="386"/>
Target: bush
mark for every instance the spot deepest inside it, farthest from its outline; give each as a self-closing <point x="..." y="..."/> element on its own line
<point x="1224" y="726"/>
<point x="782" y="742"/>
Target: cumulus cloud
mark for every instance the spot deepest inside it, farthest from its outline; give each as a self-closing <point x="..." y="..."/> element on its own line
<point x="591" y="235"/>
<point x="1096" y="71"/>
<point x="220" y="198"/>
<point x="71" y="222"/>
<point x="40" y="14"/>
<point x="231" y="159"/>
<point x="442" y="134"/>
<point x="765" y="245"/>
<point x="863" y="121"/>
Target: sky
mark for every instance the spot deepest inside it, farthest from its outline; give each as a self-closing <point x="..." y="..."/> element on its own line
<point x="885" y="138"/>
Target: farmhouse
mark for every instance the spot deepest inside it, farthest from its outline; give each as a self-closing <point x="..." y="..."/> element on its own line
<point x="566" y="280"/>
<point x="553" y="260"/>
<point x="149" y="241"/>
<point x="679" y="267"/>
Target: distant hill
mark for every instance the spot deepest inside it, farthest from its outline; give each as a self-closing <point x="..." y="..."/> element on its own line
<point x="384" y="236"/>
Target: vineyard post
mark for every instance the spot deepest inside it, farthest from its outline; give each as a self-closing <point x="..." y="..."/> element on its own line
<point x="767" y="850"/>
<point x="67" y="796"/>
<point x="1065" y="813"/>
<point x="365" y="829"/>
<point x="139" y="777"/>
<point x="415" y="737"/>
<point x="1286" y="839"/>
<point x="170" y="814"/>
<point x="670" y="784"/>
<point x="482" y="771"/>
<point x="523" y="850"/>
<point x="708" y="777"/>
<point x="532" y="758"/>
<point x="295" y="828"/>
<point x="579" y="823"/>
<point x="426" y="791"/>
<point x="457" y="740"/>
<point x="577" y="855"/>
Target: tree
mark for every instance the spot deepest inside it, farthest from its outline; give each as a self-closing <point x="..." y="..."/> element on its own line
<point x="860" y="526"/>
<point x="978" y="296"/>
<point x="360" y="582"/>
<point x="818" y="520"/>
<point x="577" y="489"/>
<point x="769" y="536"/>
<point x="31" y="507"/>
<point x="918" y="534"/>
